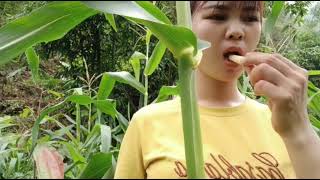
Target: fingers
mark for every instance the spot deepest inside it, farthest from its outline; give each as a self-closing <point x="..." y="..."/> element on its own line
<point x="266" y="72"/>
<point x="291" y="64"/>
<point x="265" y="88"/>
<point x="273" y="60"/>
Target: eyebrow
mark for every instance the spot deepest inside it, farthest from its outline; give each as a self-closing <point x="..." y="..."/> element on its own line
<point x="216" y="6"/>
<point x="228" y="7"/>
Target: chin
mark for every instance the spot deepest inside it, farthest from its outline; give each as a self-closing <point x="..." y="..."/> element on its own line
<point x="229" y="76"/>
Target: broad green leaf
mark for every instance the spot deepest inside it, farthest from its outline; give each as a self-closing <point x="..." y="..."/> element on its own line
<point x="166" y="91"/>
<point x="72" y="138"/>
<point x="312" y="87"/>
<point x="313" y="96"/>
<point x="93" y="135"/>
<point x="110" y="173"/>
<point x="6" y="119"/>
<point x="178" y="39"/>
<point x="148" y="36"/>
<point x="126" y="78"/>
<point x="45" y="112"/>
<point x="314" y="73"/>
<point x="314" y="121"/>
<point x="155" y="58"/>
<point x="110" y="19"/>
<point x="154" y="11"/>
<point x="105" y="87"/>
<point x="64" y="131"/>
<point x="123" y="8"/>
<point x="45" y="24"/>
<point x="105" y="138"/>
<point x="106" y="106"/>
<point x="272" y="18"/>
<point x="135" y="62"/>
<point x="123" y="121"/>
<point x="78" y="91"/>
<point x="74" y="153"/>
<point x="33" y="62"/>
<point x="2" y="126"/>
<point x="98" y="165"/>
<point x="80" y="99"/>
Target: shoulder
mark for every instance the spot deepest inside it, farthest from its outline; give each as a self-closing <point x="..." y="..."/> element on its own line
<point x="255" y="105"/>
<point x="156" y="111"/>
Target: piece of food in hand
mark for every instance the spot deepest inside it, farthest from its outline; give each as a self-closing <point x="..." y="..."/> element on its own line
<point x="237" y="59"/>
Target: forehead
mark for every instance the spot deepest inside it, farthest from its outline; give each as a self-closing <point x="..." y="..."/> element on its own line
<point x="226" y="5"/>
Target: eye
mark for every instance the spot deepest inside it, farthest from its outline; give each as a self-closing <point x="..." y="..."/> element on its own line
<point x="251" y="18"/>
<point x="218" y="17"/>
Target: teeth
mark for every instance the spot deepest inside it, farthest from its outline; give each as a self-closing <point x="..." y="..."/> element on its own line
<point x="237" y="59"/>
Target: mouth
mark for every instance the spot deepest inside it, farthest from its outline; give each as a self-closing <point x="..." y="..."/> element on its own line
<point x="232" y="51"/>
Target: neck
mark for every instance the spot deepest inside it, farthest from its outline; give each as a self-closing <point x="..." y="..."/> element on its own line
<point x="215" y="93"/>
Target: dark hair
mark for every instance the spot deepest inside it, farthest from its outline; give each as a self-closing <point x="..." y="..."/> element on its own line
<point x="259" y="5"/>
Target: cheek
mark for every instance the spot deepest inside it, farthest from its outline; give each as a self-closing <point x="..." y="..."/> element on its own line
<point x="207" y="31"/>
<point x="254" y="37"/>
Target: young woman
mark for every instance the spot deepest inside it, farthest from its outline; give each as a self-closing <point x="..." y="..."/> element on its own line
<point x="241" y="137"/>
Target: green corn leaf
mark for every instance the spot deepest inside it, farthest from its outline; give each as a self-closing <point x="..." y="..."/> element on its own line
<point x="314" y="73"/>
<point x="45" y="24"/>
<point x="166" y="91"/>
<point x="98" y="165"/>
<point x="176" y="38"/>
<point x="111" y="20"/>
<point x="33" y="62"/>
<point x="123" y="8"/>
<point x="272" y="18"/>
<point x="148" y="36"/>
<point x="109" y="78"/>
<point x="155" y="58"/>
<point x="92" y="136"/>
<point x="135" y="63"/>
<point x="105" y="138"/>
<point x="126" y="78"/>
<point x="74" y="152"/>
<point x="106" y="106"/>
<point x="105" y="87"/>
<point x="314" y="121"/>
<point x="110" y="173"/>
<point x="80" y="99"/>
<point x="35" y="128"/>
<point x="153" y="11"/>
<point x="123" y="121"/>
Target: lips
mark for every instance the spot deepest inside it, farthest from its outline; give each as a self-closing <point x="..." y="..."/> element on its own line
<point x="232" y="51"/>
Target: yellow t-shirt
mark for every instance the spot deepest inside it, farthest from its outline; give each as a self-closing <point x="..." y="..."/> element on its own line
<point x="238" y="142"/>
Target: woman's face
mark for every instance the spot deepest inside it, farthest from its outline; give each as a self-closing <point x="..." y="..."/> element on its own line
<point x="231" y="30"/>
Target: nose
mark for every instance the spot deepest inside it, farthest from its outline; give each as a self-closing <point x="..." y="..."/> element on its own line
<point x="234" y="32"/>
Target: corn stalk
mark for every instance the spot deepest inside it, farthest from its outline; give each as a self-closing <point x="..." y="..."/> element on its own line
<point x="189" y="105"/>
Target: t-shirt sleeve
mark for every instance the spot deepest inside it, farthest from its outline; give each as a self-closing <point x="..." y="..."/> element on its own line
<point x="130" y="161"/>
